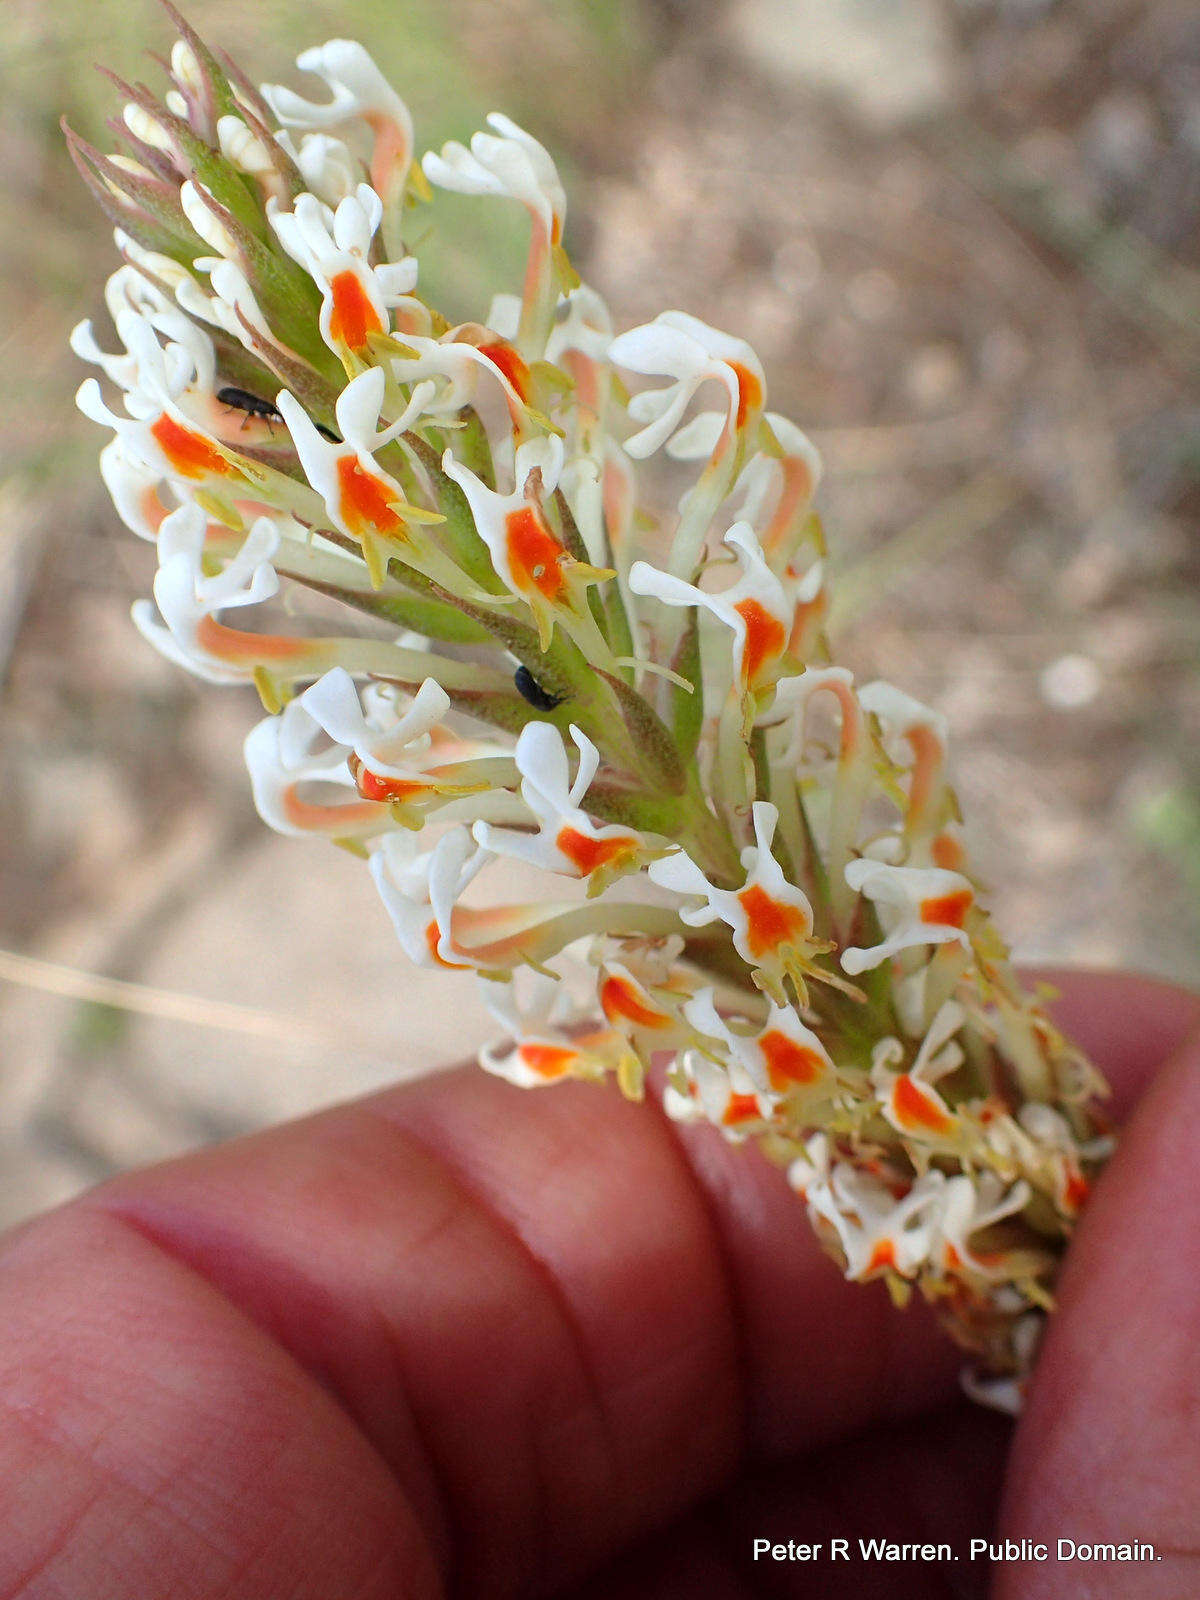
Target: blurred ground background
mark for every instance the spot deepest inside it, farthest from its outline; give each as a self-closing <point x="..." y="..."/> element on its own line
<point x="965" y="238"/>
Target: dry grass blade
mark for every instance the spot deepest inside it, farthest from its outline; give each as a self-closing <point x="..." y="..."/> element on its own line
<point x="96" y="989"/>
<point x="870" y="581"/>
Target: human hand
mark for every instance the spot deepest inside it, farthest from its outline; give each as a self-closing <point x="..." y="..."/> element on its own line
<point x="461" y="1336"/>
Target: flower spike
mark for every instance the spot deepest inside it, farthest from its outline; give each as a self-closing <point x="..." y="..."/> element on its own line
<point x="729" y="829"/>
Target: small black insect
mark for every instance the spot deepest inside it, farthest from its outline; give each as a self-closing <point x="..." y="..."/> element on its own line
<point x="530" y="689"/>
<point x="243" y="400"/>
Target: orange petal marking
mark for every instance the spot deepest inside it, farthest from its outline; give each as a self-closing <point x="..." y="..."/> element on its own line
<point x="391" y="150"/>
<point x="741" y="1108"/>
<point x="796" y="492"/>
<point x="1075" y="1191"/>
<point x="534" y="553"/>
<point x="353" y="316"/>
<point x="789" y="1063"/>
<point x="547" y="1060"/>
<point x="585" y="377"/>
<point x="324" y="819"/>
<point x="363" y="500"/>
<point x="883" y="1255"/>
<point x="587" y="854"/>
<point x="750" y="392"/>
<point x="765" y="639"/>
<point x="947" y="852"/>
<point x="237" y="645"/>
<point x="620" y="998"/>
<point x="511" y="366"/>
<point x="191" y="455"/>
<point x="927" y="759"/>
<point x="808" y="617"/>
<point x="916" y="1109"/>
<point x="433" y="935"/>
<point x="616" y="500"/>
<point x="372" y="786"/>
<point x="770" y="923"/>
<point x="947" y="910"/>
<point x="152" y="508"/>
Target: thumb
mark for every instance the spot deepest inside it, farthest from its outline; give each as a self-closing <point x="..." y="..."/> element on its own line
<point x="1109" y="1449"/>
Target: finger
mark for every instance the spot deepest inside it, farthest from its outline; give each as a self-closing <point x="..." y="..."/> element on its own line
<point x="519" y="1298"/>
<point x="155" y="1443"/>
<point x="1129" y="1024"/>
<point x="819" y="1529"/>
<point x="550" y="1326"/>
<point x="1109" y="1450"/>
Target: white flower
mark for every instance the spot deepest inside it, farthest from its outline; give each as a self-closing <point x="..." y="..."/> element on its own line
<point x="757" y="608"/>
<point x="287" y="758"/>
<point x="782" y="1060"/>
<point x="567" y="841"/>
<point x="777" y="488"/>
<point x="359" y="94"/>
<point x="526" y="552"/>
<point x="452" y="373"/>
<point x="327" y="165"/>
<point x="537" y="1011"/>
<point x="877" y="1232"/>
<point x="420" y="889"/>
<point x="677" y="346"/>
<point x="513" y="166"/>
<point x="813" y="1167"/>
<point x="794" y="694"/>
<point x="628" y="1001"/>
<point x="905" y="722"/>
<point x="771" y="919"/>
<point x="724" y="1094"/>
<point x="914" y="737"/>
<point x="930" y="1226"/>
<point x="361" y="498"/>
<point x="333" y="247"/>
<point x="582" y="327"/>
<point x="917" y="906"/>
<point x="140" y="313"/>
<point x="189" y="602"/>
<point x="967" y="1206"/>
<point x="159" y="434"/>
<point x="397" y="752"/>
<point x="232" y="298"/>
<point x="909" y="1100"/>
<point x="134" y="489"/>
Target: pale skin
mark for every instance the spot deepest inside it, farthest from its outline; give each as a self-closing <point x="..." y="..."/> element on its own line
<point x="460" y="1338"/>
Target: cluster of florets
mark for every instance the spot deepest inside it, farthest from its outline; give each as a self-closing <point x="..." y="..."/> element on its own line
<point x="758" y="873"/>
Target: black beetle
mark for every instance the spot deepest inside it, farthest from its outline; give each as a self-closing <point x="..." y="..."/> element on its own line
<point x="243" y="400"/>
<point x="530" y="689"/>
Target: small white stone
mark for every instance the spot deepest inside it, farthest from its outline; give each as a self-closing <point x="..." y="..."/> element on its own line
<point x="1070" y="682"/>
